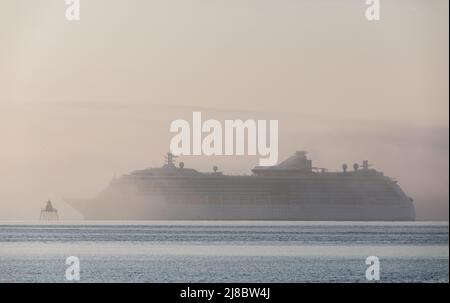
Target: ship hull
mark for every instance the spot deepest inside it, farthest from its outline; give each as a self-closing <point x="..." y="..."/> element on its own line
<point x="275" y="213"/>
<point x="317" y="198"/>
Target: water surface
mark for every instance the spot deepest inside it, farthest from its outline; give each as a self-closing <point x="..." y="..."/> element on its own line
<point x="219" y="251"/>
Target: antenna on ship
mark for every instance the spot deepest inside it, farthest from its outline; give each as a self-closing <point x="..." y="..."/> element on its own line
<point x="49" y="213"/>
<point x="170" y="160"/>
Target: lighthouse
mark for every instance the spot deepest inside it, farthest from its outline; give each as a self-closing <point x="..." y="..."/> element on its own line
<point x="49" y="213"/>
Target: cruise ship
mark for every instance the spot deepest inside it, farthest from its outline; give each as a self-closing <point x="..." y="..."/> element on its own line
<point x="291" y="190"/>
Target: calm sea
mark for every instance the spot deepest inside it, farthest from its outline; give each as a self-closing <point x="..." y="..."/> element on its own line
<point x="211" y="251"/>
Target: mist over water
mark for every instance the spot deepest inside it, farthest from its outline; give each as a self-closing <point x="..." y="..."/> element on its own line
<point x="49" y="156"/>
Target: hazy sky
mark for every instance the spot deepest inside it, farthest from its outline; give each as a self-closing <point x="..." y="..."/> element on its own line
<point x="83" y="101"/>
